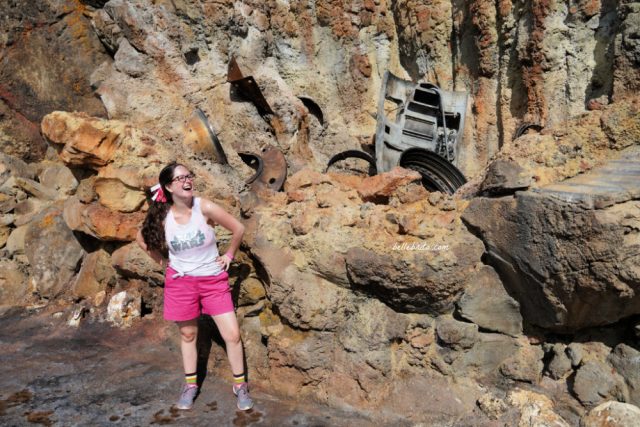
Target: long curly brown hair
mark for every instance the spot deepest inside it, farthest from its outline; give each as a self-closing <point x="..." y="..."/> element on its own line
<point x="153" y="226"/>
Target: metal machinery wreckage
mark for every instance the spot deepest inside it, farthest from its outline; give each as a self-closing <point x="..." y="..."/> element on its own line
<point x="425" y="134"/>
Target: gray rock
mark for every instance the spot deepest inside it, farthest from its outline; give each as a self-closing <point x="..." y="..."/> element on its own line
<point x="575" y="351"/>
<point x="13" y="166"/>
<point x="505" y="177"/>
<point x="130" y="261"/>
<point x="626" y="360"/>
<point x="536" y="241"/>
<point x="13" y="283"/>
<point x="130" y="61"/>
<point x="612" y="414"/>
<point x="560" y="365"/>
<point x="486" y="303"/>
<point x="409" y="282"/>
<point x="15" y="242"/>
<point x="307" y="301"/>
<point x="60" y="179"/>
<point x="595" y="382"/>
<point x="36" y="189"/>
<point x="455" y="334"/>
<point x="53" y="252"/>
<point x="525" y="365"/>
<point x="486" y="356"/>
<point x="372" y="326"/>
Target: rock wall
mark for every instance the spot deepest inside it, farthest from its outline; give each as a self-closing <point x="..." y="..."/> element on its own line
<point x="366" y="292"/>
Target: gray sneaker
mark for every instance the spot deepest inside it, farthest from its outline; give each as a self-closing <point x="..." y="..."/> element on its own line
<point x="187" y="397"/>
<point x="244" y="400"/>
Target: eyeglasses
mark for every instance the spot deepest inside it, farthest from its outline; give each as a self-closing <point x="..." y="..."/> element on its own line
<point x="183" y="178"/>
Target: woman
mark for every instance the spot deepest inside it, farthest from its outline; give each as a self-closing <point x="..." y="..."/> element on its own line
<point x="196" y="275"/>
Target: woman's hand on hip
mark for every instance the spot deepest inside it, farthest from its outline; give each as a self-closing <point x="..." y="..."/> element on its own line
<point x="224" y="262"/>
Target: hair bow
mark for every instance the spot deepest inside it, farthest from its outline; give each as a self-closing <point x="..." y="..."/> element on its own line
<point x="158" y="194"/>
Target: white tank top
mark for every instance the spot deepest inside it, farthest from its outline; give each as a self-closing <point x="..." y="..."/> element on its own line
<point x="192" y="246"/>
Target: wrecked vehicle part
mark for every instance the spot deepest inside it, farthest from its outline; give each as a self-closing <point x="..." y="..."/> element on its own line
<point x="426" y="117"/>
<point x="253" y="161"/>
<point x="313" y="108"/>
<point x="248" y="88"/>
<point x="354" y="154"/>
<point x="437" y="173"/>
<point x="525" y="127"/>
<point x="202" y="139"/>
<point x="270" y="167"/>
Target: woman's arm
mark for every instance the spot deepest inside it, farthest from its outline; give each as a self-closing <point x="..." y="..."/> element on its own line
<point x="218" y="215"/>
<point x="154" y="255"/>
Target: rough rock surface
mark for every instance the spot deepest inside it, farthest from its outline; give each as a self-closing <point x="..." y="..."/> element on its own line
<point x="612" y="414"/>
<point x="531" y="240"/>
<point x="49" y="51"/>
<point x="368" y="292"/>
<point x="486" y="303"/>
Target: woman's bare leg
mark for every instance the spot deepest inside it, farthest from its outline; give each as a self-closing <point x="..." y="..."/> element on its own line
<point x="188" y="334"/>
<point x="228" y="326"/>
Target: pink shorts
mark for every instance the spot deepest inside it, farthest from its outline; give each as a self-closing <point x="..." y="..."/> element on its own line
<point x="184" y="296"/>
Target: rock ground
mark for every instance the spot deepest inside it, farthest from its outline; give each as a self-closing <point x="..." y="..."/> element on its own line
<point x="90" y="376"/>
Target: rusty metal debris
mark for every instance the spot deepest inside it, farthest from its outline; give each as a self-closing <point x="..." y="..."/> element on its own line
<point x="525" y="127"/>
<point x="354" y="154"/>
<point x="425" y="133"/>
<point x="270" y="167"/>
<point x="202" y="139"/>
<point x="248" y="88"/>
<point x="313" y="108"/>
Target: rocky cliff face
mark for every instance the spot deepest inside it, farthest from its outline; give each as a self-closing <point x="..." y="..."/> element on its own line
<point x="353" y="290"/>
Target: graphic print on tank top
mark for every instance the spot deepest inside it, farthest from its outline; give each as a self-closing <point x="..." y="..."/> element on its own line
<point x="187" y="241"/>
<point x="192" y="246"/>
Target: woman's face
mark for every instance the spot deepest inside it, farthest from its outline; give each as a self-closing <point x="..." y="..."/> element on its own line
<point x="182" y="184"/>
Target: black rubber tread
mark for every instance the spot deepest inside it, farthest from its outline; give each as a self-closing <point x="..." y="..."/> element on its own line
<point x="437" y="173"/>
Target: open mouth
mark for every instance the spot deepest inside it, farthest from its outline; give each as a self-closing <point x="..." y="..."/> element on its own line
<point x="187" y="187"/>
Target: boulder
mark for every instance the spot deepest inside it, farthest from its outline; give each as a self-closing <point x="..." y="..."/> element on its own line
<point x="536" y="242"/>
<point x="525" y="364"/>
<point x="505" y="177"/>
<point x="536" y="410"/>
<point x="86" y="141"/>
<point x="379" y="188"/>
<point x="7" y="203"/>
<point x="15" y="242"/>
<point x="612" y="414"/>
<point x="486" y="356"/>
<point x="413" y="281"/>
<point x="101" y="222"/>
<point x="13" y="166"/>
<point x="60" y="179"/>
<point x="626" y="360"/>
<point x="560" y="365"/>
<point x="595" y="382"/>
<point x="492" y="406"/>
<point x="13" y="284"/>
<point x="455" y="334"/>
<point x="96" y="273"/>
<point x="50" y="51"/>
<point x="486" y="303"/>
<point x="251" y="291"/>
<point x="36" y="189"/>
<point x="53" y="252"/>
<point x="307" y="301"/>
<point x="130" y="261"/>
<point x="117" y="196"/>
